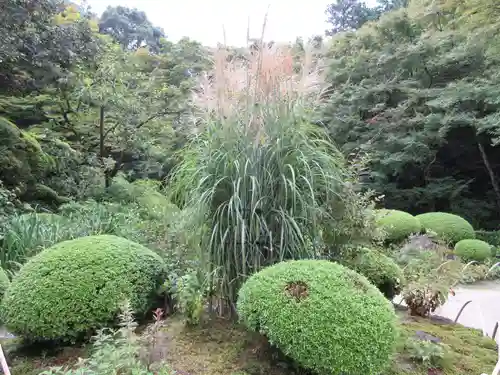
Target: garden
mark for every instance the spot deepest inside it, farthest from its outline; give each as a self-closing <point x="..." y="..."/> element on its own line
<point x="264" y="248"/>
<point x="259" y="256"/>
<point x="128" y="284"/>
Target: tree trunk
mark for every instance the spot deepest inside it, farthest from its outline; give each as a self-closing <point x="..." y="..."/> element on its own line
<point x="102" y="150"/>
<point x="493" y="180"/>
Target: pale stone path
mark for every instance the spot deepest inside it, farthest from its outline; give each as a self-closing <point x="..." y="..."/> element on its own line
<point x="482" y="312"/>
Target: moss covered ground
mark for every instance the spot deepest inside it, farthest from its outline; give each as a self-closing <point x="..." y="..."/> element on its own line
<point x="219" y="347"/>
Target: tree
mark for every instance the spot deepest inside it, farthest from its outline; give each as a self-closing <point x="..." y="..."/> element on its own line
<point x="79" y="108"/>
<point x="43" y="43"/>
<point x="388" y="5"/>
<point x="417" y="94"/>
<point x="39" y="49"/>
<point x="348" y="15"/>
<point x="131" y="28"/>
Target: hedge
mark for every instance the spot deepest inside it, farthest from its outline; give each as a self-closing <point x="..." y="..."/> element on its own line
<point x="326" y="317"/>
<point x="77" y="286"/>
<point x="449" y="228"/>
<point x="397" y="225"/>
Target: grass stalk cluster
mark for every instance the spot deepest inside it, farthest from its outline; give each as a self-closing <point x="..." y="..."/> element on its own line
<point x="265" y="180"/>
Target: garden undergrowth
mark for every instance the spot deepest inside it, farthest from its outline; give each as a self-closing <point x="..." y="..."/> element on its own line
<point x="467" y="350"/>
<point x="220" y="347"/>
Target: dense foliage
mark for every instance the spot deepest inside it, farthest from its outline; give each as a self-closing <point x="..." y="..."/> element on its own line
<point x="448" y="227"/>
<point x="4" y="282"/>
<point x="491" y="237"/>
<point x="397" y="225"/>
<point x="76" y="108"/>
<point x="473" y="250"/>
<point x="320" y="313"/>
<point x="77" y="286"/>
<point x="381" y="270"/>
<point x="418" y="92"/>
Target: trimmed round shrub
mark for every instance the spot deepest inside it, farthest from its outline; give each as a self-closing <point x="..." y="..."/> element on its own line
<point x="448" y="227"/>
<point x="473" y="250"/>
<point x="380" y="270"/>
<point x="397" y="225"/>
<point x="77" y="286"/>
<point x="4" y="282"/>
<point x="324" y="316"/>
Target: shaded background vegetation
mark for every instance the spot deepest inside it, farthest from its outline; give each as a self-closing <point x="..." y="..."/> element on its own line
<point x="414" y="86"/>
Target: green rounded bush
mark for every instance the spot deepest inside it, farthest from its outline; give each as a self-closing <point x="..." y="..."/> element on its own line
<point x="326" y="317"/>
<point x="448" y="227"/>
<point x="379" y="269"/>
<point x="473" y="250"/>
<point x="4" y="282"/>
<point x="397" y="225"/>
<point x="77" y="286"/>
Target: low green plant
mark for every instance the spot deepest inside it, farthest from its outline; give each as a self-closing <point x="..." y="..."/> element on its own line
<point x="188" y="293"/>
<point x="4" y="282"/>
<point x="93" y="218"/>
<point x="319" y="313"/>
<point x="75" y="287"/>
<point x="149" y="222"/>
<point x="448" y="227"/>
<point x="145" y="194"/>
<point x="470" y="250"/>
<point x="117" y="352"/>
<point x="474" y="273"/>
<point x="26" y="235"/>
<point x="426" y="352"/>
<point x="493" y="272"/>
<point x="430" y="278"/>
<point x="397" y="225"/>
<point x="381" y="270"/>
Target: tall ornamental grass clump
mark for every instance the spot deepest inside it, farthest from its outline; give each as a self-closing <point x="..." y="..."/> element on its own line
<point x="264" y="179"/>
<point x="26" y="235"/>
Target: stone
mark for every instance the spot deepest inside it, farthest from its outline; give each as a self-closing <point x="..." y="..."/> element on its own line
<point x="420" y="242"/>
<point x="424" y="336"/>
